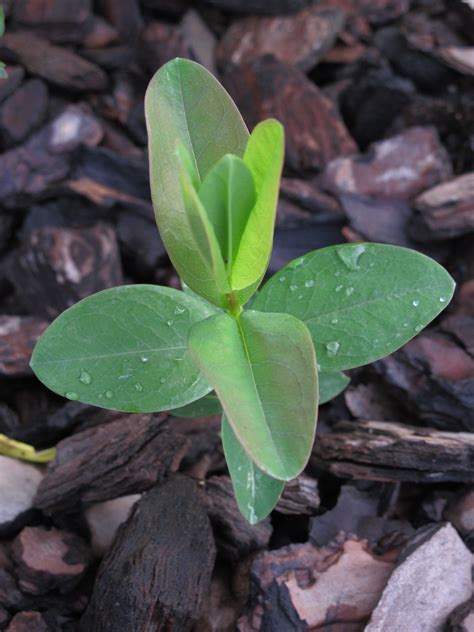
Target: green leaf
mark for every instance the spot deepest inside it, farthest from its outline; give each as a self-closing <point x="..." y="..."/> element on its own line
<point x="264" y="157"/>
<point x="331" y="385"/>
<point x="2" y="21"/>
<point x="201" y="229"/>
<point x="3" y="72"/>
<point x="185" y="104"/>
<point x="204" y="407"/>
<point x="256" y="492"/>
<point x="263" y="369"/>
<point x="360" y="302"/>
<point x="228" y="195"/>
<point x="124" y="349"/>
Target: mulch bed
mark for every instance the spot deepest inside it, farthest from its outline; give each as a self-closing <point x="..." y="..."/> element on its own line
<point x="134" y="526"/>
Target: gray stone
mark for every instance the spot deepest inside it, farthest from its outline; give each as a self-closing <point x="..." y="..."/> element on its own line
<point x="105" y="518"/>
<point x="432" y="578"/>
<point x="18" y="484"/>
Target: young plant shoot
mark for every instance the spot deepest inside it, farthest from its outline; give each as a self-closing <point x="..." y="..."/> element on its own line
<point x="145" y="348"/>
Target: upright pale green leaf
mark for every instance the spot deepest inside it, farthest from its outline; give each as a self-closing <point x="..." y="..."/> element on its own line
<point x="204" y="407"/>
<point x="264" y="157"/>
<point x="202" y="233"/>
<point x="256" y="492"/>
<point x="360" y="302"/>
<point x="185" y="103"/>
<point x="228" y="195"/>
<point x="331" y="385"/>
<point x="263" y="369"/>
<point x="124" y="349"/>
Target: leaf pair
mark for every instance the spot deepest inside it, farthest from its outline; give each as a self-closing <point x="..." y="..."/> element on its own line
<point x="212" y="185"/>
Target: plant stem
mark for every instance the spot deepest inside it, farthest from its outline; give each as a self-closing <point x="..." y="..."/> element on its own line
<point x="235" y="308"/>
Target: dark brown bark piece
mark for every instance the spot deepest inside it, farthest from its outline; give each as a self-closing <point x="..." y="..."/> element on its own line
<point x="9" y="84"/>
<point x="389" y="451"/>
<point x="315" y="133"/>
<point x="300" y="497"/>
<point x="122" y="457"/>
<point x="235" y="536"/>
<point x="54" y="19"/>
<point x="59" y="266"/>
<point x="264" y="7"/>
<point x="57" y="65"/>
<point x="381" y="11"/>
<point x="125" y="16"/>
<point x="309" y="195"/>
<point x="28" y="621"/>
<point x="18" y="336"/>
<point x="300" y="40"/>
<point x="446" y="211"/>
<point x="158" y="571"/>
<point x="444" y="376"/>
<point x="24" y="111"/>
<point x="303" y="587"/>
<point x="161" y="42"/>
<point x="397" y="168"/>
<point x="48" y="559"/>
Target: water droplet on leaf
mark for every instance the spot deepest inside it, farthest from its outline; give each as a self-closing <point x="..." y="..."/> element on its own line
<point x="350" y="256"/>
<point x="332" y="348"/>
<point x="415" y="303"/>
<point x="309" y="283"/>
<point x="179" y="310"/>
<point x="296" y="264"/>
<point x="282" y="278"/>
<point x="138" y="387"/>
<point x="349" y="291"/>
<point x="144" y="359"/>
<point x="334" y="321"/>
<point x="339" y="288"/>
<point x="300" y="296"/>
<point x="72" y="395"/>
<point x="84" y="377"/>
<point x="163" y="380"/>
<point x="169" y="323"/>
<point x="108" y="394"/>
<point x="418" y="328"/>
<point x="442" y="299"/>
<point x="293" y="287"/>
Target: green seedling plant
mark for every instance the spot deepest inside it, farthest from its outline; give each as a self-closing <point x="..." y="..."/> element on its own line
<point x="265" y="359"/>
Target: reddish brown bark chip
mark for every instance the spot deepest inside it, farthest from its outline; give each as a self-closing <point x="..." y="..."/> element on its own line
<point x="55" y="64"/>
<point x="28" y="621"/>
<point x="49" y="559"/>
<point x="18" y="336"/>
<point x="302" y="587"/>
<point x="301" y="40"/>
<point x="397" y="168"/>
<point x="314" y="131"/>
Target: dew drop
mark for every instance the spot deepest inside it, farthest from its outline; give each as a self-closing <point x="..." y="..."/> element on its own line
<point x="339" y="288"/>
<point x="332" y="348"/>
<point x="418" y="328"/>
<point x="72" y="395"/>
<point x="350" y="255"/>
<point x="169" y="323"/>
<point x="337" y="273"/>
<point x="282" y="278"/>
<point x="108" y="394"/>
<point x="415" y="303"/>
<point x="300" y="296"/>
<point x="179" y="310"/>
<point x="442" y="299"/>
<point x="334" y="321"/>
<point x="163" y="380"/>
<point x="144" y="359"/>
<point x="296" y="264"/>
<point x="293" y="287"/>
<point x="84" y="377"/>
<point x="349" y="291"/>
<point x="405" y="325"/>
<point x="309" y="283"/>
<point x="138" y="387"/>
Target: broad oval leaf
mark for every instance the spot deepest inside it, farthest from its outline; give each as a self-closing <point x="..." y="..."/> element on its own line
<point x="331" y="385"/>
<point x="263" y="369"/>
<point x="204" y="407"/>
<point x="185" y="104"/>
<point x="360" y="302"/>
<point x="264" y="157"/>
<point x="124" y="349"/>
<point x="256" y="492"/>
<point x="228" y="195"/>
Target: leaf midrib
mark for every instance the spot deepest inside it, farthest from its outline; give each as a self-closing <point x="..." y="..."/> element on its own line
<point x="112" y="355"/>
<point x="249" y="362"/>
